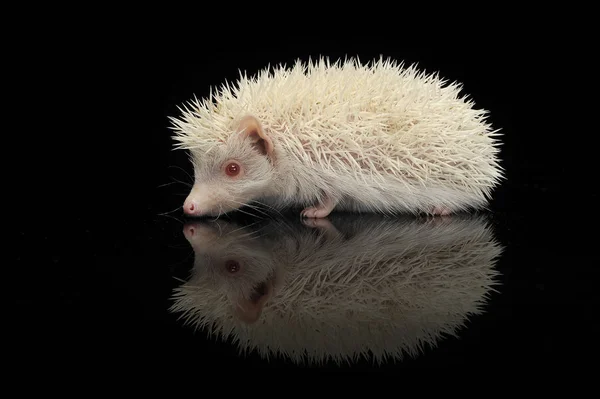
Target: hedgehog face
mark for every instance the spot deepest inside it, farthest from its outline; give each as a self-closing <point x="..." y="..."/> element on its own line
<point x="232" y="174"/>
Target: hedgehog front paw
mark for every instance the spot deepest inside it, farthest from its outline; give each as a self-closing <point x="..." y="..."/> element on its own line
<point x="321" y="210"/>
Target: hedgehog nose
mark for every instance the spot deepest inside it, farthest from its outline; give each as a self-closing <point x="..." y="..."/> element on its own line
<point x="190" y="207"/>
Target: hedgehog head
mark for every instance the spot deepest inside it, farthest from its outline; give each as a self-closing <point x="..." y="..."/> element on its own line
<point x="232" y="173"/>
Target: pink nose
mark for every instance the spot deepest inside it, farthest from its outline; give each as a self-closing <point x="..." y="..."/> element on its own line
<point x="191" y="208"/>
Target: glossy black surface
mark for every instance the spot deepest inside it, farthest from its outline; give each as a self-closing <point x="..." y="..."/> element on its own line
<point x="94" y="279"/>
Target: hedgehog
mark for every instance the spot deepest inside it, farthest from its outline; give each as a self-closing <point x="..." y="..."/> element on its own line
<point x="327" y="289"/>
<point x="378" y="137"/>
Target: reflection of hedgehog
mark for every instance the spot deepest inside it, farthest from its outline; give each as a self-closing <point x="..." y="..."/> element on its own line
<point x="376" y="285"/>
<point x="342" y="136"/>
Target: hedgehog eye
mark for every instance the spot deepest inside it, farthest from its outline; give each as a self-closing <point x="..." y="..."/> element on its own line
<point x="232" y="266"/>
<point x="232" y="169"/>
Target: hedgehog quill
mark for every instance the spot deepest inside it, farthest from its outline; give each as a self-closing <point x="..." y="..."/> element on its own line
<point x="321" y="136"/>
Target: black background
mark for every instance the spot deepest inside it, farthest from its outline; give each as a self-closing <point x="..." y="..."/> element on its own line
<point x="94" y="262"/>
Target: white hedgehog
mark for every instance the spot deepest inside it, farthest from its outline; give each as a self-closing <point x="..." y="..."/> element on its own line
<point x="377" y="286"/>
<point x="346" y="136"/>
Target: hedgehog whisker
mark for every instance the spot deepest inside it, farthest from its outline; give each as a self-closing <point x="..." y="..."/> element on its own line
<point x="166" y="184"/>
<point x="219" y="214"/>
<point x="253" y="207"/>
<point x="263" y="209"/>
<point x="184" y="171"/>
<point x="248" y="213"/>
<point x="175" y="181"/>
<point x="269" y="207"/>
<point x="166" y="213"/>
<point x="172" y="217"/>
<point x="239" y="210"/>
<point x="256" y="208"/>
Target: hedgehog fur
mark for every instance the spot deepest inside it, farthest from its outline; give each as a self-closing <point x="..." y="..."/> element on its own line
<point x="375" y="137"/>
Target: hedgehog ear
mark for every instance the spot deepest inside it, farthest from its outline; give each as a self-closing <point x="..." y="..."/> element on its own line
<point x="250" y="127"/>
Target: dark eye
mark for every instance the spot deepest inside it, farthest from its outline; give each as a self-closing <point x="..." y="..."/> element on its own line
<point x="232" y="169"/>
<point x="232" y="266"/>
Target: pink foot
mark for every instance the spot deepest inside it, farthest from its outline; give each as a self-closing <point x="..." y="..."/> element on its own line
<point x="441" y="211"/>
<point x="321" y="210"/>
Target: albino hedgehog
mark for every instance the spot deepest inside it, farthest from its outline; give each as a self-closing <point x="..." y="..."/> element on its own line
<point x="322" y="136"/>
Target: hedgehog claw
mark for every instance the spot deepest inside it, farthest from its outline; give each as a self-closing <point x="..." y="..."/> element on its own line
<point x="315" y="212"/>
<point x="321" y="210"/>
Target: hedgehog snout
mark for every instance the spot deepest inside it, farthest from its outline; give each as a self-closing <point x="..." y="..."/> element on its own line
<point x="192" y="206"/>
